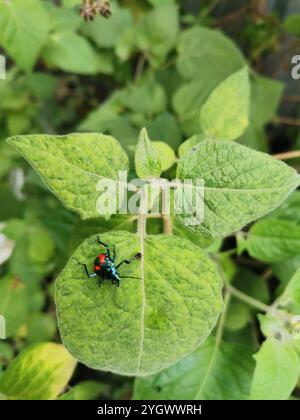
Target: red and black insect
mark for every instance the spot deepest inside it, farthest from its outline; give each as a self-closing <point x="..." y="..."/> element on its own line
<point x="105" y="267"/>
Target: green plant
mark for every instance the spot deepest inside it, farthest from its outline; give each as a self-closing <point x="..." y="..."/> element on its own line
<point x="186" y="324"/>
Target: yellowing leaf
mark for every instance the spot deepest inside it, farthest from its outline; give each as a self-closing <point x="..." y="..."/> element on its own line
<point x="225" y="115"/>
<point x="40" y="372"/>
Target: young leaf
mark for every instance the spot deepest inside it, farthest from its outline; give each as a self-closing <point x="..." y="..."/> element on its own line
<point x="225" y="115"/>
<point x="202" y="375"/>
<point x="166" y="154"/>
<point x="72" y="165"/>
<point x="148" y="323"/>
<point x="273" y="240"/>
<point x="240" y="184"/>
<point x="13" y="303"/>
<point x="24" y="27"/>
<point x="147" y="161"/>
<point x="276" y="373"/>
<point x="40" y="372"/>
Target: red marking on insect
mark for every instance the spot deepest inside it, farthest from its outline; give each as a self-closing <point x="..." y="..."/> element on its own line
<point x="102" y="258"/>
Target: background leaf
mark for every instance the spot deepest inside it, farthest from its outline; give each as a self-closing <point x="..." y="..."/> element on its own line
<point x="39" y="373"/>
<point x="86" y="390"/>
<point x="213" y="372"/>
<point x="225" y="114"/>
<point x="276" y="372"/>
<point x="13" y="303"/>
<point x="24" y="27"/>
<point x="273" y="240"/>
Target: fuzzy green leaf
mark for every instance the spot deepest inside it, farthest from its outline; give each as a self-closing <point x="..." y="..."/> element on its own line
<point x="240" y="184"/>
<point x="273" y="240"/>
<point x="148" y="323"/>
<point x="72" y="165"/>
<point x="24" y="27"/>
<point x="147" y="161"/>
<point x="213" y="372"/>
<point x="40" y="372"/>
<point x="276" y="373"/>
<point x="225" y="115"/>
<point x="165" y="153"/>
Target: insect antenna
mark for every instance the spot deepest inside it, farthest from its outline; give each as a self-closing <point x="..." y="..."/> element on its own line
<point x="128" y="277"/>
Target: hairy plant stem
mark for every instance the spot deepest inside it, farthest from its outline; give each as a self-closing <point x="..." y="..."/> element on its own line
<point x="257" y="304"/>
<point x="287" y="121"/>
<point x="287" y="155"/>
<point x="166" y="212"/>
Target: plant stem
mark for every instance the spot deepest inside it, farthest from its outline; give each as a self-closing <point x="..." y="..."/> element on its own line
<point x="247" y="299"/>
<point x="287" y="155"/>
<point x="139" y="68"/>
<point x="292" y="98"/>
<point x="166" y="212"/>
<point x="257" y="304"/>
<point x="287" y="121"/>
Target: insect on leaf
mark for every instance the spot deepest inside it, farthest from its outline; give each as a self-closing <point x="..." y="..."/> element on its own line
<point x="148" y="323"/>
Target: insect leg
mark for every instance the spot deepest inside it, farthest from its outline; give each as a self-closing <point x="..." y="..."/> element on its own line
<point x="103" y="244"/>
<point x="114" y="253"/>
<point x="92" y="275"/>
<point x="137" y="256"/>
